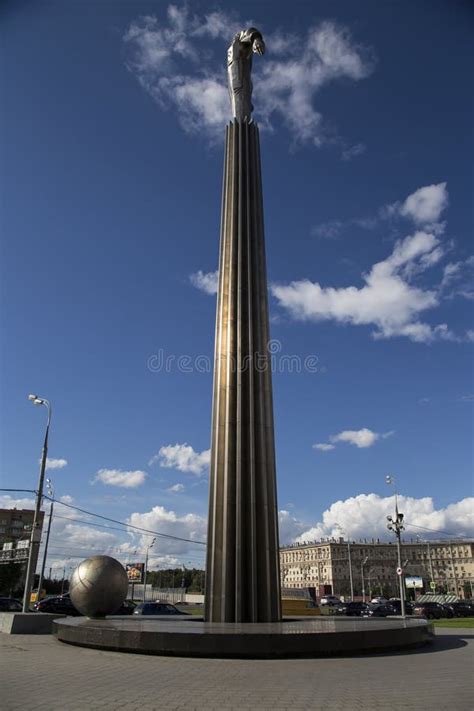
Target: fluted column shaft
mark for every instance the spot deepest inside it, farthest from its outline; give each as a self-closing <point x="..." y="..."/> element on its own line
<point x="242" y="579"/>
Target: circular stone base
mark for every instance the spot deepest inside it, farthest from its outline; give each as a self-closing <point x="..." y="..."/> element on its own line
<point x="293" y="637"/>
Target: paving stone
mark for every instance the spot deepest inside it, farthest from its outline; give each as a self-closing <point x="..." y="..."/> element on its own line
<point x="42" y="673"/>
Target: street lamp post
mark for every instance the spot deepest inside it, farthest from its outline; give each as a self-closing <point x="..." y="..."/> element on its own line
<point x="182" y="582"/>
<point x="35" y="532"/>
<point x="349" y="559"/>
<point x="430" y="562"/>
<point x="369" y="576"/>
<point x="454" y="570"/>
<point x="364" y="562"/>
<point x="146" y="569"/>
<point x="45" y="553"/>
<point x="396" y="525"/>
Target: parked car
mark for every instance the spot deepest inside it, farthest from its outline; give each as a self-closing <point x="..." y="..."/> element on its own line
<point x="397" y="606"/>
<point x="460" y="609"/>
<point x="351" y="609"/>
<point x="60" y="604"/>
<point x="157" y="608"/>
<point x="375" y="609"/>
<point x="10" y="604"/>
<point x="126" y="608"/>
<point x="330" y="600"/>
<point x="430" y="610"/>
<point x="380" y="600"/>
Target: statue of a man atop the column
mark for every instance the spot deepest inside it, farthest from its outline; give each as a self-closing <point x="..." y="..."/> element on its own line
<point x="239" y="66"/>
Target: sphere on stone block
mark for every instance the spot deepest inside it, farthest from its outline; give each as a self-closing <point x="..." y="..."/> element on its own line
<point x="98" y="586"/>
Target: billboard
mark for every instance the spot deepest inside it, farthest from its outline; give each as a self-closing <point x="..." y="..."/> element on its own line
<point x="135" y="572"/>
<point x="413" y="581"/>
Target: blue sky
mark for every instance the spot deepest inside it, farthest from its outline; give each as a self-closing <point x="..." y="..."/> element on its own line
<point x="112" y="147"/>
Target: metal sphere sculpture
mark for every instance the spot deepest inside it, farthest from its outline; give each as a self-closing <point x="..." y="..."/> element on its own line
<point x="98" y="586"/>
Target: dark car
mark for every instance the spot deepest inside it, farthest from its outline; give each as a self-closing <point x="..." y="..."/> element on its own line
<point x="126" y="608"/>
<point x="61" y="605"/>
<point x="351" y="609"/>
<point x="397" y="606"/>
<point x="461" y="608"/>
<point x="157" y="608"/>
<point x="10" y="604"/>
<point x="430" y="610"/>
<point x="378" y="610"/>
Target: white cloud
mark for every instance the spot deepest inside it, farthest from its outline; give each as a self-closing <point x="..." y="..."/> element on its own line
<point x="426" y="204"/>
<point x="328" y="230"/>
<point x="360" y="438"/>
<point x="324" y="447"/>
<point x="55" y="463"/>
<point x="288" y="87"/>
<point x="117" y="477"/>
<point x="289" y="526"/>
<point x="353" y="151"/>
<point x="10" y="502"/>
<point x="457" y="279"/>
<point x="83" y="537"/>
<point x="365" y="516"/>
<point x="176" y="488"/>
<point x="174" y="61"/>
<point x="190" y="526"/>
<point x="423" y="207"/>
<point x="183" y="458"/>
<point x="207" y="282"/>
<point x="386" y="301"/>
<point x="218" y="24"/>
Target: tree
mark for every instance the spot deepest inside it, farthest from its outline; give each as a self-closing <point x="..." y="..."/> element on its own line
<point x="175" y="577"/>
<point x="11" y="578"/>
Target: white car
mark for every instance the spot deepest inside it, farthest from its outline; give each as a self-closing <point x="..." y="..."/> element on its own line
<point x="379" y="600"/>
<point x="330" y="600"/>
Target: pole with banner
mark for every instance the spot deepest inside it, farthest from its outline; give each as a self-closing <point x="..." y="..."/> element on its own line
<point x="135" y="574"/>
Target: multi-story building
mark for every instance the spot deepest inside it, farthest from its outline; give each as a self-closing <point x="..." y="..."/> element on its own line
<point x="445" y="566"/>
<point x="15" y="533"/>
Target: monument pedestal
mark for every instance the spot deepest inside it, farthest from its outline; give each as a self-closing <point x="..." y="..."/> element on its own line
<point x="27" y="622"/>
<point x="293" y="637"/>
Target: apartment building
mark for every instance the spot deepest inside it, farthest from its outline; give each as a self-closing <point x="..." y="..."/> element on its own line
<point x="445" y="566"/>
<point x="15" y="532"/>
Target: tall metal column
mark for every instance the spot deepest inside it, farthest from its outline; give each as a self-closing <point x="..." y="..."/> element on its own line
<point x="242" y="576"/>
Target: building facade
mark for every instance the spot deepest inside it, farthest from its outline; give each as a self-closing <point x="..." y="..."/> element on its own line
<point x="15" y="533"/>
<point x="445" y="566"/>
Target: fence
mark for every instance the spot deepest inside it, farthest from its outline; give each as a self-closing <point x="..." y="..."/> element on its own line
<point x="174" y="595"/>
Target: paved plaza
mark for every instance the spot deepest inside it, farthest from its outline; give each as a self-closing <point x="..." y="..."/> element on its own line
<point x="41" y="673"/>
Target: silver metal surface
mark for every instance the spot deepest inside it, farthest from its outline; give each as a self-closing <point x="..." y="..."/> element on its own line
<point x="242" y="575"/>
<point x="239" y="68"/>
<point x="98" y="586"/>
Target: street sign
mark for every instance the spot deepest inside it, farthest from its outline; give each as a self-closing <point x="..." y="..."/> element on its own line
<point x="399" y="571"/>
